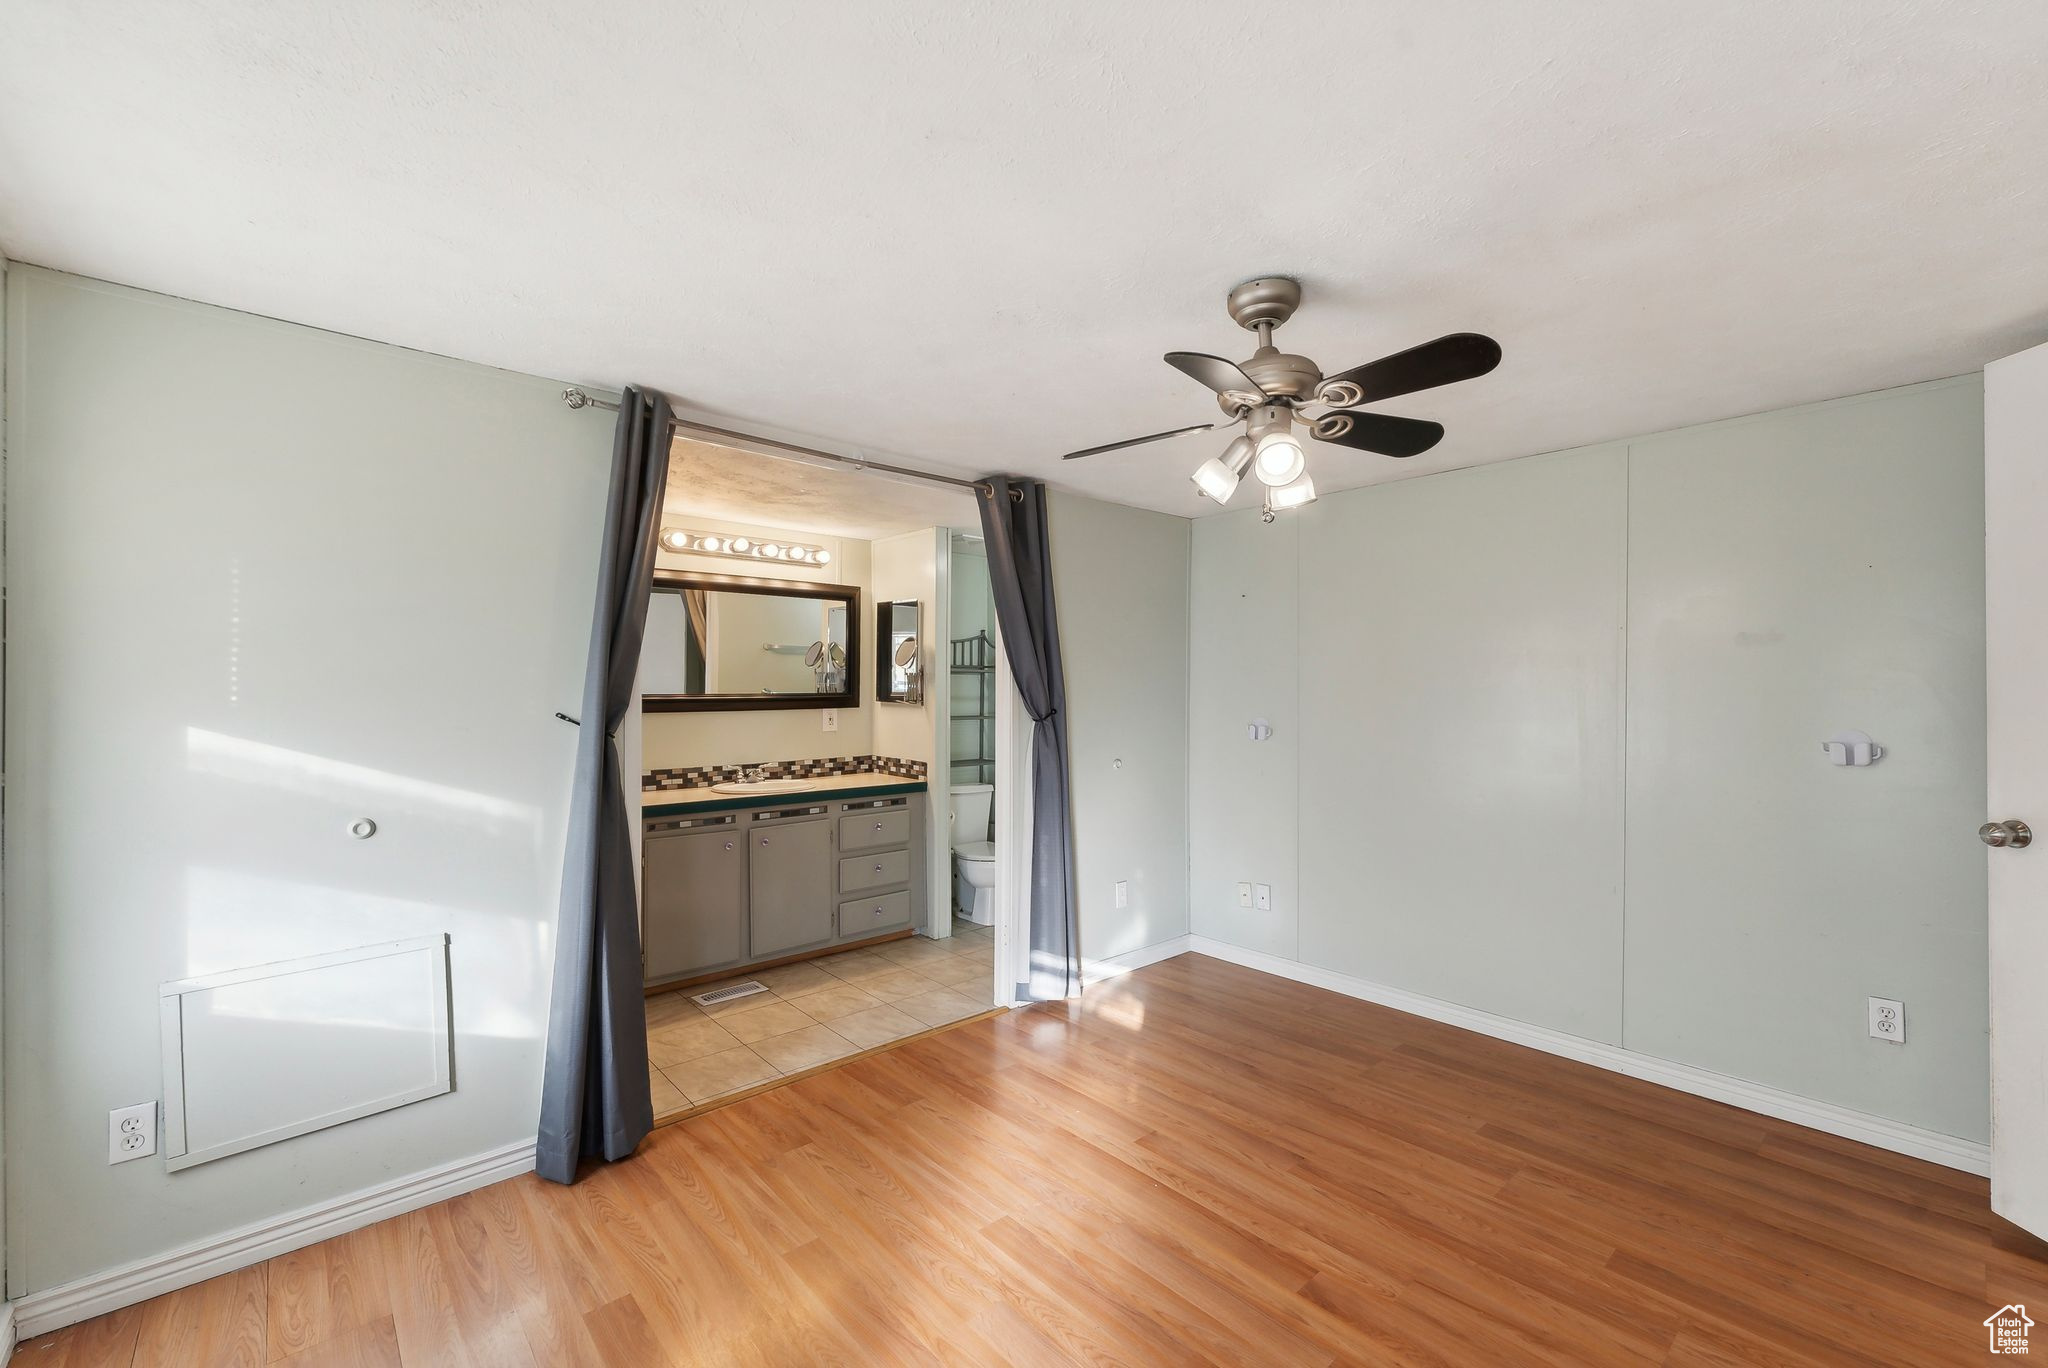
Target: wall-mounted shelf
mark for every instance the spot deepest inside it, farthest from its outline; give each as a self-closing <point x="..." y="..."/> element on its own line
<point x="975" y="656"/>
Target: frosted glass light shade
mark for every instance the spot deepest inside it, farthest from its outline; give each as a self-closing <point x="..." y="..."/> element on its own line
<point x="1301" y="491"/>
<point x="1213" y="478"/>
<point x="1280" y="460"/>
<point x="1218" y="478"/>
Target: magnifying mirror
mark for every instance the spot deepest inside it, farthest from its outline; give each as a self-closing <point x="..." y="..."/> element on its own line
<point x="897" y="629"/>
<point x="815" y="654"/>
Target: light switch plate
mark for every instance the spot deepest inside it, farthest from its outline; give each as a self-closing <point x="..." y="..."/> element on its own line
<point x="1888" y="1020"/>
<point x="1244" y="895"/>
<point x="1262" y="897"/>
<point x="1123" y="893"/>
<point x="831" y="719"/>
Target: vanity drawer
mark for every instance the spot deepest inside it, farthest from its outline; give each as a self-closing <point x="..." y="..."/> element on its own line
<point x="868" y="916"/>
<point x="862" y="830"/>
<point x="857" y="872"/>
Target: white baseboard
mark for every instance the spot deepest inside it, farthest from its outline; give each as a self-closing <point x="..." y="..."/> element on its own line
<point x="6" y="1332"/>
<point x="1094" y="971"/>
<point x="40" y="1312"/>
<point x="1948" y="1150"/>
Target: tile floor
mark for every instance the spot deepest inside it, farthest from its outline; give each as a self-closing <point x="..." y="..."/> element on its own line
<point x="813" y="1012"/>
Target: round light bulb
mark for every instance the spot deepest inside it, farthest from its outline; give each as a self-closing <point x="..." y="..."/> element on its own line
<point x="822" y="557"/>
<point x="771" y="550"/>
<point x="676" y="541"/>
<point x="1280" y="460"/>
<point x="799" y="555"/>
<point x="711" y="544"/>
<point x="741" y="545"/>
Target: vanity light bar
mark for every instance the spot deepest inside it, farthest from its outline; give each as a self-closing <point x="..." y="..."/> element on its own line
<point x="742" y="548"/>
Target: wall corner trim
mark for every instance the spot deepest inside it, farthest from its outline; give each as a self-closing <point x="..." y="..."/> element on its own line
<point x="40" y="1312"/>
<point x="1947" y="1150"/>
<point x="6" y="1333"/>
<point x="1095" y="971"/>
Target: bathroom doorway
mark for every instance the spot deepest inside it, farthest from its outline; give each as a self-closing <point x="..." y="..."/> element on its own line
<point x="816" y="882"/>
<point x="972" y="664"/>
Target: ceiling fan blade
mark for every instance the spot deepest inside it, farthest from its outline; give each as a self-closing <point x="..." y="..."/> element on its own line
<point x="1222" y="376"/>
<point x="1460" y="356"/>
<point x="1378" y="432"/>
<point x="1140" y="441"/>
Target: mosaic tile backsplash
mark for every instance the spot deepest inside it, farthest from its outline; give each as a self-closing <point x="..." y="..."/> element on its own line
<point x="697" y="776"/>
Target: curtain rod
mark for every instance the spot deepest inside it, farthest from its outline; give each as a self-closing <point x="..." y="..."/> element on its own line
<point x="576" y="398"/>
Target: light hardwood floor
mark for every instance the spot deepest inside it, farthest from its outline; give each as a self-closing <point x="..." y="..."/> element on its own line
<point x="1199" y="1163"/>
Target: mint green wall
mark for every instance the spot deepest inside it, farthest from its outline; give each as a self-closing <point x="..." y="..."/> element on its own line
<point x="1121" y="578"/>
<point x="1548" y="743"/>
<point x="1460" y="736"/>
<point x="1243" y="817"/>
<point x="6" y="359"/>
<point x="264" y="580"/>
<point x="1791" y="576"/>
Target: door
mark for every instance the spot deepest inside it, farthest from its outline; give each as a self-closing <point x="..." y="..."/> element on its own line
<point x="695" y="900"/>
<point x="790" y="900"/>
<point x="2016" y="670"/>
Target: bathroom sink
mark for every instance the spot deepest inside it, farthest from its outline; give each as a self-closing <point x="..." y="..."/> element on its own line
<point x="766" y="786"/>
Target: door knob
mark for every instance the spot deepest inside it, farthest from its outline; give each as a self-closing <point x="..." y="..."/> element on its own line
<point x="2013" y="835"/>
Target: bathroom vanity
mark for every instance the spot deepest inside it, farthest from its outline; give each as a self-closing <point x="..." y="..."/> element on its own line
<point x="730" y="881"/>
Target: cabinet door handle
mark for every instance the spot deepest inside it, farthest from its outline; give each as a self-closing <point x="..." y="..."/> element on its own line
<point x="878" y="826"/>
<point x="878" y="869"/>
<point x="728" y="845"/>
<point x="764" y="840"/>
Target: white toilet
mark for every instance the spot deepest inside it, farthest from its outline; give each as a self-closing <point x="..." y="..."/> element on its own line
<point x="974" y="855"/>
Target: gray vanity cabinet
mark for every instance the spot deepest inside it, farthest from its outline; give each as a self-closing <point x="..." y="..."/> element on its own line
<point x="722" y="890"/>
<point x="695" y="871"/>
<point x="789" y="903"/>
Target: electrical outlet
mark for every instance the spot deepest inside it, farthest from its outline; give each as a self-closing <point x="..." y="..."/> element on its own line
<point x="831" y="719"/>
<point x="1888" y="1020"/>
<point x="1244" y="895"/>
<point x="1123" y="893"/>
<point x="131" y="1132"/>
<point x="1262" y="897"/>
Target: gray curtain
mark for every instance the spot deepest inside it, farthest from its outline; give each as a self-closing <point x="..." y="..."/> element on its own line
<point x="594" y="1099"/>
<point x="1013" y="529"/>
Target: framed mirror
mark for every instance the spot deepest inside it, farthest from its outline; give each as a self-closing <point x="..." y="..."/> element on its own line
<point x="899" y="655"/>
<point x="729" y="643"/>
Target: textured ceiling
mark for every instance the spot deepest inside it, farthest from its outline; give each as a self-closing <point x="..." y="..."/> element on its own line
<point x="715" y="481"/>
<point x="962" y="233"/>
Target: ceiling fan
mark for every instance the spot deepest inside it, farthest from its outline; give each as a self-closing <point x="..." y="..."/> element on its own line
<point x="1273" y="392"/>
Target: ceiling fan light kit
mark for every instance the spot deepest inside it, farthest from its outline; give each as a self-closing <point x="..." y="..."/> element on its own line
<point x="1273" y="392"/>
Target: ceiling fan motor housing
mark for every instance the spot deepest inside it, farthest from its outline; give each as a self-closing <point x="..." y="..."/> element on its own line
<point x="1283" y="374"/>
